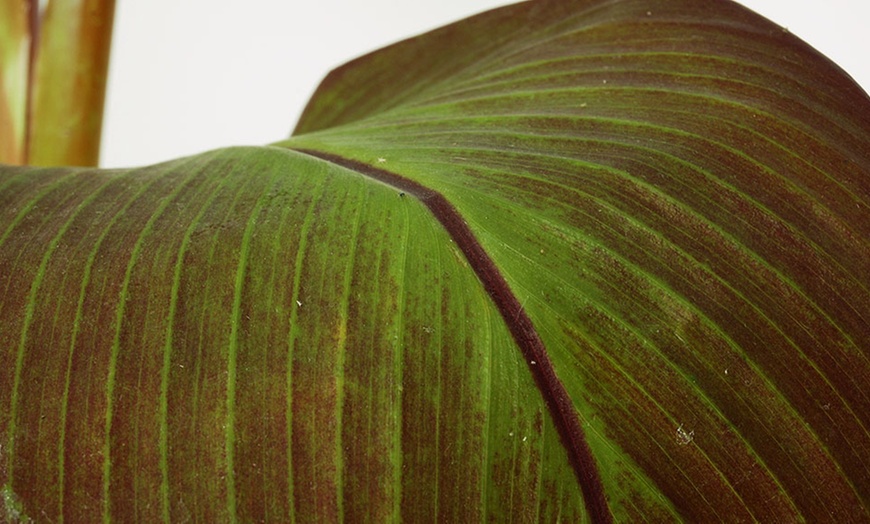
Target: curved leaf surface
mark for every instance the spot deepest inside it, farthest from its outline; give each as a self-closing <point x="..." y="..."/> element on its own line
<point x="678" y="193"/>
<point x="668" y="198"/>
<point x="256" y="334"/>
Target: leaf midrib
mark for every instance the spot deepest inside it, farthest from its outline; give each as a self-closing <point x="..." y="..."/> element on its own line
<point x="559" y="403"/>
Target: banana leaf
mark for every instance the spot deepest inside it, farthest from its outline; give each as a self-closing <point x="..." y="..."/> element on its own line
<point x="563" y="261"/>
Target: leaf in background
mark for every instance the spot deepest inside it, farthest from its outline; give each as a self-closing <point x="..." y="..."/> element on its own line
<point x="53" y="69"/>
<point x="667" y="201"/>
<point x="14" y="67"/>
<point x="70" y="82"/>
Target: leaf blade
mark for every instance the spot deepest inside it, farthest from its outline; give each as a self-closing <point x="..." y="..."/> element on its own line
<point x="689" y="240"/>
<point x="728" y="202"/>
<point x="163" y="245"/>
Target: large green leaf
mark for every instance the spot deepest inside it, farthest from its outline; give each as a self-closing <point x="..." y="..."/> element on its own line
<point x="561" y="261"/>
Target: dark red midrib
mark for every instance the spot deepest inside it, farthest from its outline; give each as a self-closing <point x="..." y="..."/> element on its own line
<point x="520" y="325"/>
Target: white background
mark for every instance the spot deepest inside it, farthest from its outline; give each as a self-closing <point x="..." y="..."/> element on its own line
<point x="187" y="76"/>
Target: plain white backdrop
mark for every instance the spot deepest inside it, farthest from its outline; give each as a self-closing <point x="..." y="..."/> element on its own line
<point x="187" y="76"/>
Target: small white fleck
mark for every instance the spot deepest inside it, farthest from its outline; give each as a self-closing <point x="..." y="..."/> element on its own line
<point x="583" y="104"/>
<point x="684" y="437"/>
<point x="533" y="362"/>
<point x="511" y="434"/>
<point x="382" y="160"/>
<point x="649" y="13"/>
<point x="299" y="303"/>
<point x="604" y="81"/>
<point x="726" y="371"/>
<point x="524" y="438"/>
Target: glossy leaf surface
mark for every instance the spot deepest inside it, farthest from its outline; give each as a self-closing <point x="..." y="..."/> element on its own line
<point x="674" y="195"/>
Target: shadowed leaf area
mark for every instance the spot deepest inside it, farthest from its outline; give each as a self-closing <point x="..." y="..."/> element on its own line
<point x="562" y="261"/>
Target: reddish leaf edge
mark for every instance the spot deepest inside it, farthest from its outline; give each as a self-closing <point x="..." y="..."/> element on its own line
<point x="34" y="24"/>
<point x="565" y="417"/>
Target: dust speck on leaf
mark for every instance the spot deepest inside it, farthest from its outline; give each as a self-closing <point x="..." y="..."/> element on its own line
<point x="12" y="510"/>
<point x="684" y="437"/>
